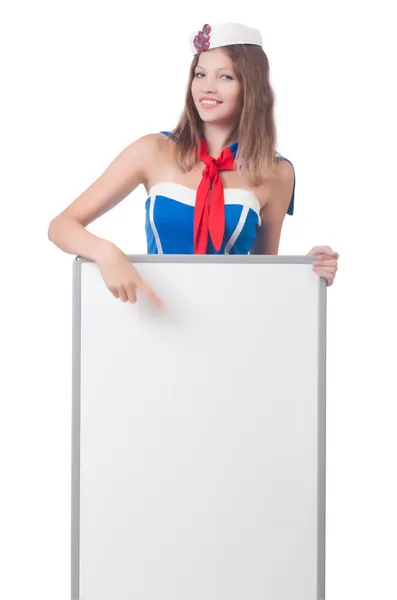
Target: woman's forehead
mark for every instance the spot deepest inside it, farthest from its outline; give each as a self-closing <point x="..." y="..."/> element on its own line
<point x="215" y="59"/>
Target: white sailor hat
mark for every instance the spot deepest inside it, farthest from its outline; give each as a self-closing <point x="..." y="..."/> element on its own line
<point x="223" y="34"/>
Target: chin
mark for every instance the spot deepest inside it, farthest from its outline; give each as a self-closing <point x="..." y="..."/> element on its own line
<point x="206" y="118"/>
<point x="209" y="116"/>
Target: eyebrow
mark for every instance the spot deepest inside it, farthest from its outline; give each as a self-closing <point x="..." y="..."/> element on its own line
<point x="220" y="68"/>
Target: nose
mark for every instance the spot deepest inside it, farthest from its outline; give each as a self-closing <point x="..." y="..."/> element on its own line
<point x="208" y="85"/>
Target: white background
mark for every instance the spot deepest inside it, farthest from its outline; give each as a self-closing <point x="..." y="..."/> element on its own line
<point x="82" y="80"/>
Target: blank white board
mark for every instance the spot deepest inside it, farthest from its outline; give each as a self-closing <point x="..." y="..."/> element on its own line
<point x="198" y="463"/>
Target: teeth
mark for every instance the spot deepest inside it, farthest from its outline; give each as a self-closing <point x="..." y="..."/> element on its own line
<point x="209" y="102"/>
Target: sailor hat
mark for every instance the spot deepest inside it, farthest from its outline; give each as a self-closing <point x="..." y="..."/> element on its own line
<point x="223" y="34"/>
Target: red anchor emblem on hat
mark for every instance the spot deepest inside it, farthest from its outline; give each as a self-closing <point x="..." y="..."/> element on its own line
<point x="202" y="40"/>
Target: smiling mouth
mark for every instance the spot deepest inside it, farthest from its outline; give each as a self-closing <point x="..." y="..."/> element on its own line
<point x="210" y="102"/>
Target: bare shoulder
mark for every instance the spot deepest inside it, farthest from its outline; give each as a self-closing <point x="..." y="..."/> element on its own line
<point x="148" y="151"/>
<point x="157" y="143"/>
<point x="274" y="196"/>
<point x="146" y="144"/>
<point x="285" y="171"/>
<point x="130" y="168"/>
<point x="275" y="192"/>
<point x="153" y="139"/>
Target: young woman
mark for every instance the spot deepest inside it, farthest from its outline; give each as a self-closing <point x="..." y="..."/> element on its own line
<point x="215" y="184"/>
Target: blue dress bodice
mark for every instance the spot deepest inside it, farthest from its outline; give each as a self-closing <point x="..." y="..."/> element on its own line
<point x="170" y="218"/>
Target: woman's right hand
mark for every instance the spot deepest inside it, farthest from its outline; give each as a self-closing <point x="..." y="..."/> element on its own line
<point x="121" y="278"/>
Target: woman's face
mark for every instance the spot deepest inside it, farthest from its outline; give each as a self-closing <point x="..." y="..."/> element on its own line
<point x="215" y="89"/>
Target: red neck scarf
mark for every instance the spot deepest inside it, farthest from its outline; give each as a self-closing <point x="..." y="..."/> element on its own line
<point x="209" y="211"/>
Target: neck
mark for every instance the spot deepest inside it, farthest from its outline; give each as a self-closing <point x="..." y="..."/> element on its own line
<point x="217" y="137"/>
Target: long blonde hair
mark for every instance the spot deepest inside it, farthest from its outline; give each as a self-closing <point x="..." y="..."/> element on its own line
<point x="255" y="129"/>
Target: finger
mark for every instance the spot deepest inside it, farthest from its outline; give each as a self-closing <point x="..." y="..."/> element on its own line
<point x="150" y="294"/>
<point x="131" y="293"/>
<point x="325" y="269"/>
<point x="331" y="253"/>
<point x="330" y="262"/>
<point x="334" y="255"/>
<point x="328" y="276"/>
<point x="122" y="294"/>
<point x="320" y="250"/>
<point x="114" y="292"/>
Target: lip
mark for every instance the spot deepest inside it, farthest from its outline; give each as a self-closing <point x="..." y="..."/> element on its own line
<point x="209" y="98"/>
<point x="209" y="106"/>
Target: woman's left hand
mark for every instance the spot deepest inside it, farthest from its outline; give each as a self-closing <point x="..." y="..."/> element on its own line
<point x="326" y="263"/>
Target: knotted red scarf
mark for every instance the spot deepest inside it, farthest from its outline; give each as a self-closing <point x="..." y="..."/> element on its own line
<point x="209" y="211"/>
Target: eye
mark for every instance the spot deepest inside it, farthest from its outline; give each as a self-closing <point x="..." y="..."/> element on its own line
<point x="198" y="75"/>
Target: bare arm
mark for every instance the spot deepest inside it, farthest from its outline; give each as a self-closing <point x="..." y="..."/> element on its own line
<point x="274" y="211"/>
<point x="129" y="169"/>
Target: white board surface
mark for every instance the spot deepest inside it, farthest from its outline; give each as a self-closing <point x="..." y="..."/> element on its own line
<point x="199" y="432"/>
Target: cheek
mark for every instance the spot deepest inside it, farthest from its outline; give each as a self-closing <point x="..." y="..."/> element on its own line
<point x="234" y="97"/>
<point x="194" y="88"/>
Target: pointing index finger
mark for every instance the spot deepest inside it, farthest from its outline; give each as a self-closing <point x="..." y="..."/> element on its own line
<point x="150" y="294"/>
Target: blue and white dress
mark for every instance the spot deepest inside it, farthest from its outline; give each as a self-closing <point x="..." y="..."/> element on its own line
<point x="170" y="218"/>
